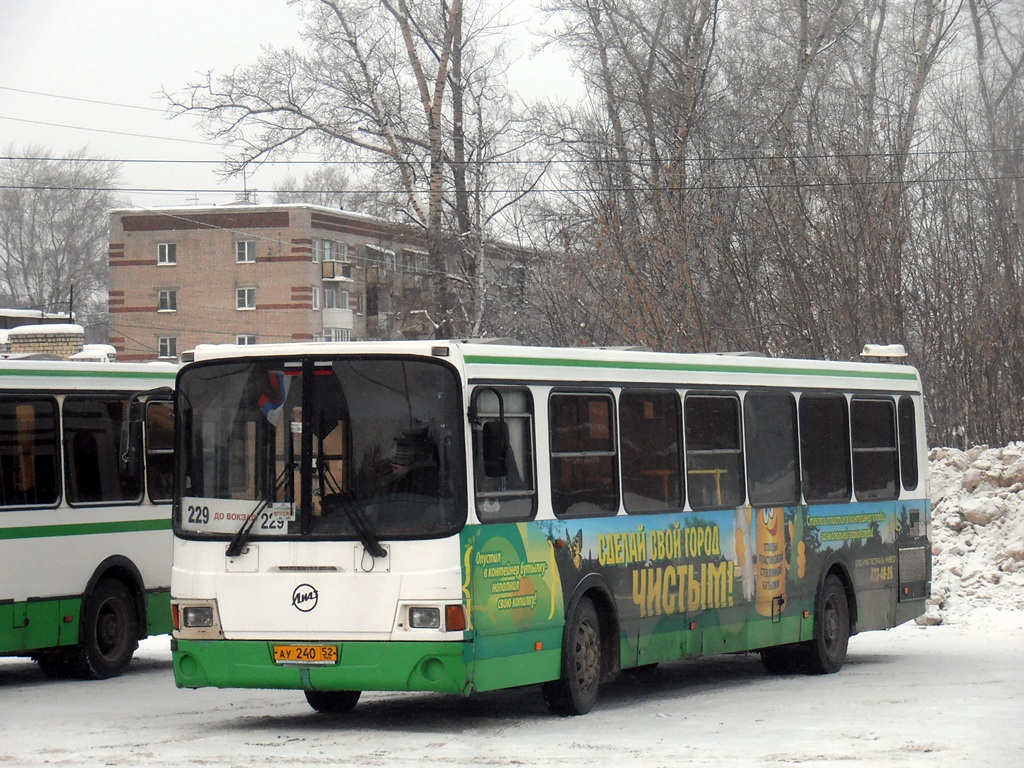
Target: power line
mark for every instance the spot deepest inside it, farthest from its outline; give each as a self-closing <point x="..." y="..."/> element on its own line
<point x="737" y="158"/>
<point x="722" y="187"/>
<point x="103" y="130"/>
<point x="86" y="101"/>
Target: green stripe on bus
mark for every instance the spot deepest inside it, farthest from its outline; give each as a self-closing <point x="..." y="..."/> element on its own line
<point x="652" y="365"/>
<point x="84" y="529"/>
<point x="63" y="373"/>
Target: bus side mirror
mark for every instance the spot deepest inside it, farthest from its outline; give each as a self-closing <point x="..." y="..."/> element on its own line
<point x="495" y="444"/>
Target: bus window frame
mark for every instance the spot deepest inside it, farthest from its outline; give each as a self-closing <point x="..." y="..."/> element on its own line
<point x="57" y="478"/>
<point x="750" y="398"/>
<point x="681" y="484"/>
<point x="741" y="483"/>
<point x="478" y="418"/>
<point x="866" y="494"/>
<point x="559" y="456"/>
<point x="70" y="453"/>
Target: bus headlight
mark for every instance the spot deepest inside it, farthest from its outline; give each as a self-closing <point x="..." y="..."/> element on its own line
<point x="196" y="619"/>
<point x="424" y="618"/>
<point x="193" y="616"/>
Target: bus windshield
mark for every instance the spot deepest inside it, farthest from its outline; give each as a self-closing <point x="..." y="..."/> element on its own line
<point x="338" y="448"/>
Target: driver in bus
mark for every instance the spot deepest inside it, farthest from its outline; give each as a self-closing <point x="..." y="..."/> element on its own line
<point x="414" y="464"/>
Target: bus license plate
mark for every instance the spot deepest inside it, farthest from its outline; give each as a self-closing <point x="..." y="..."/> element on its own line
<point x="305" y="654"/>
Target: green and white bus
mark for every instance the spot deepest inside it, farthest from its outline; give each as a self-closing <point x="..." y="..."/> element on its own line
<point x="86" y="474"/>
<point x="459" y="517"/>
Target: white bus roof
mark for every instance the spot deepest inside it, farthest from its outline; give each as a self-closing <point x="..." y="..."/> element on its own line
<point x="501" y="362"/>
<point x="65" y="375"/>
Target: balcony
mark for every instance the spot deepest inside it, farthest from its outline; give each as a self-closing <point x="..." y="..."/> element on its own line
<point x="338" y="271"/>
<point x="337" y="318"/>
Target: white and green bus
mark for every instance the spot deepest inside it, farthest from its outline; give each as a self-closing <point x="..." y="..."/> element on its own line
<point x="460" y="517"/>
<point x="86" y="475"/>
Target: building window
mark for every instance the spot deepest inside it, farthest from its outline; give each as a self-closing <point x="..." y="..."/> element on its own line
<point x="245" y="251"/>
<point x="342" y="299"/>
<point x="335" y="251"/>
<point x="166" y="254"/>
<point x="315" y="299"/>
<point x="245" y="298"/>
<point x="167" y="301"/>
<point x="414" y="261"/>
<point x="336" y="334"/>
<point x="330" y="298"/>
<point x="167" y="346"/>
<point x="245" y="339"/>
<point x="382" y="258"/>
<point x="316" y="250"/>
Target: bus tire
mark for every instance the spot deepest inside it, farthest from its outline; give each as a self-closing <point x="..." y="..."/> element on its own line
<point x="333" y="702"/>
<point x="575" y="691"/>
<point x="110" y="632"/>
<point x="826" y="653"/>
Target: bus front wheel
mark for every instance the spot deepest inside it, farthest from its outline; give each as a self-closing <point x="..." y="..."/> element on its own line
<point x="332" y="701"/>
<point x="110" y="631"/>
<point x="575" y="691"/>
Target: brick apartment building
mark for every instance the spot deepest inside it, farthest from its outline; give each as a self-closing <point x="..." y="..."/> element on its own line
<point x="251" y="274"/>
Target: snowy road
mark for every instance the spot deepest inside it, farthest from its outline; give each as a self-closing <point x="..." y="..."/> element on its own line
<point x="950" y="695"/>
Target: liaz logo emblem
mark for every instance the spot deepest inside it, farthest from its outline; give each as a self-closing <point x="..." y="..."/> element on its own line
<point x="305" y="597"/>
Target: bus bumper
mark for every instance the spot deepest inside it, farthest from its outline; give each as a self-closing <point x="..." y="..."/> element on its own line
<point x="362" y="666"/>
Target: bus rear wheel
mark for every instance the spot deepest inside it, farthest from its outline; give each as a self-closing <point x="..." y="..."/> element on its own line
<point x="110" y="632"/>
<point x="575" y="691"/>
<point x="333" y="701"/>
<point x="826" y="653"/>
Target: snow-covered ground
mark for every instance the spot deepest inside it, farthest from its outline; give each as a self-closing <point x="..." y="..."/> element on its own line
<point x="945" y="692"/>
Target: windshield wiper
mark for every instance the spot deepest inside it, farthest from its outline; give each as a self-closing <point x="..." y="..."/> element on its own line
<point x="363" y="530"/>
<point x="237" y="543"/>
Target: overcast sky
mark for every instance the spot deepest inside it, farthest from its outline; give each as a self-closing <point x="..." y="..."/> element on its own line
<point x="88" y="73"/>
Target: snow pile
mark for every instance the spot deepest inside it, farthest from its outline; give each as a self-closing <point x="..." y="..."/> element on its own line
<point x="977" y="530"/>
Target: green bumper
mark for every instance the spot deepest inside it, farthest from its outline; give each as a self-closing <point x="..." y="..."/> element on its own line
<point x="362" y="666"/>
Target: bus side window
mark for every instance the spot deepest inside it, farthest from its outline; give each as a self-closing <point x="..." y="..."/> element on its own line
<point x="769" y="423"/>
<point x="92" y="443"/>
<point x="28" y="452"/>
<point x="714" y="455"/>
<point x="584" y="480"/>
<point x="875" y="458"/>
<point x="825" y="448"/>
<point x="503" y="451"/>
<point x="908" y="442"/>
<point x="650" y="435"/>
<point x="160" y="450"/>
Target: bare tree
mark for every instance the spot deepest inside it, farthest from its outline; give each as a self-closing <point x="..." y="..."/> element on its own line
<point x="384" y="82"/>
<point x="53" y="231"/>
